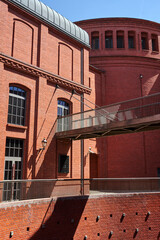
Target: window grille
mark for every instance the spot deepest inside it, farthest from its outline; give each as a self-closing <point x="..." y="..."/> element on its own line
<point x="120" y="39"/>
<point x="16" y="108"/>
<point x="108" y="39"/>
<point x="13" y="168"/>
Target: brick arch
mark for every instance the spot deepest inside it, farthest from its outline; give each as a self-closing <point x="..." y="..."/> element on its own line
<point x="23" y="87"/>
<point x="65" y="61"/>
<point x="22" y="41"/>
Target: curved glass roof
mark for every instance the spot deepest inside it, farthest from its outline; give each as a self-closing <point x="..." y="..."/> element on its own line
<point x="53" y="18"/>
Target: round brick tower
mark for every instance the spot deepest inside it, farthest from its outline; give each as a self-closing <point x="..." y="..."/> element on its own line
<point x="128" y="51"/>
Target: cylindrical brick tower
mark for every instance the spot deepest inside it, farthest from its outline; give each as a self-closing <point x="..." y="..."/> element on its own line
<point x="128" y="50"/>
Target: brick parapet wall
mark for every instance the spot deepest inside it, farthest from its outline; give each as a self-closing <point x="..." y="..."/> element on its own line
<point x="74" y="217"/>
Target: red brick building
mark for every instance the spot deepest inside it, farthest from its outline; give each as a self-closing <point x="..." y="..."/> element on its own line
<point x="43" y="58"/>
<point x="45" y="73"/>
<point x="128" y="51"/>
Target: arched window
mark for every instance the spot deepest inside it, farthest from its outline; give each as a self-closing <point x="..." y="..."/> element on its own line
<point x="16" y="107"/>
<point x="63" y="108"/>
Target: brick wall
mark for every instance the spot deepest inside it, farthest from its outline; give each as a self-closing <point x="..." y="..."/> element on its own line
<point x="27" y="39"/>
<point x="75" y="217"/>
<point x="130" y="155"/>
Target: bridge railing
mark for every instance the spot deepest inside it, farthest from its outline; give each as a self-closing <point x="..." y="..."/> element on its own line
<point x="122" y="111"/>
<point x="16" y="190"/>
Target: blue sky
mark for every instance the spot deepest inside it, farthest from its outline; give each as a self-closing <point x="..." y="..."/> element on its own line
<point x="76" y="10"/>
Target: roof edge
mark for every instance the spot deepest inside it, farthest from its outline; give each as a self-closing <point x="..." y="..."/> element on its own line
<point x="52" y="18"/>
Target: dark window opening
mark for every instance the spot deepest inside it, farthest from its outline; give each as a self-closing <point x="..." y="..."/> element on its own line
<point x="63" y="164"/>
<point x="131" y="40"/>
<point x="108" y="39"/>
<point x="95" y="40"/>
<point x="120" y="39"/>
<point x="144" y="41"/>
<point x="154" y="39"/>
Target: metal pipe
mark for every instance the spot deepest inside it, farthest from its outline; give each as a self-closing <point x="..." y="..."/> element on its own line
<point x="82" y="110"/>
<point x="79" y="179"/>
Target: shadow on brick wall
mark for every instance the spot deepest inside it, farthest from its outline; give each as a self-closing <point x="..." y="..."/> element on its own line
<point x="61" y="219"/>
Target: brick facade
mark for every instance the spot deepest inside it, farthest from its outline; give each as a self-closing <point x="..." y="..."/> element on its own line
<point x="130" y="155"/>
<point x="35" y="57"/>
<point x="77" y="217"/>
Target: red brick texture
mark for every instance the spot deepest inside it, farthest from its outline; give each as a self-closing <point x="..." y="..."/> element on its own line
<point x="27" y="39"/>
<point x="77" y="217"/>
<point x="131" y="155"/>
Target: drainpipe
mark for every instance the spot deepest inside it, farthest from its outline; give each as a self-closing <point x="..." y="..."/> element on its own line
<point x="82" y="110"/>
<point x="143" y="133"/>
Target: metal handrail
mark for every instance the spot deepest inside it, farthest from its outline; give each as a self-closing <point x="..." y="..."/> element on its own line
<point x="78" y="179"/>
<point x="111" y="105"/>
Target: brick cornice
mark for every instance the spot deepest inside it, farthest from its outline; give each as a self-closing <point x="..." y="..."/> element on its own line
<point x="36" y="71"/>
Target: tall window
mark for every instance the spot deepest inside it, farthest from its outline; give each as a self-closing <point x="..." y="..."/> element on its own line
<point x="16" y="108"/>
<point x="95" y="40"/>
<point x="131" y="39"/>
<point x="154" y="39"/>
<point x="13" y="168"/>
<point x="63" y="110"/>
<point x="144" y="40"/>
<point x="108" y="39"/>
<point x="120" y="39"/>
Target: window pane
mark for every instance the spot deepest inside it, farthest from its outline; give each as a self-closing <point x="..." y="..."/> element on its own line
<point x="11" y="89"/>
<point x="11" y="152"/>
<point x="109" y="42"/>
<point x="10" y="175"/>
<point x="16" y="152"/>
<point x="7" y="142"/>
<point x="14" y="110"/>
<point x="7" y="152"/>
<point x="10" y="100"/>
<point x="16" y="106"/>
<point x="14" y="119"/>
<point x="6" y="165"/>
<point x="143" y="41"/>
<point x="14" y="101"/>
<point x="95" y="42"/>
<point x="120" y="42"/>
<point x="130" y="42"/>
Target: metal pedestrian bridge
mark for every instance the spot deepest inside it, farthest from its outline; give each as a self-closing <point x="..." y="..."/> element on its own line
<point x="132" y="116"/>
